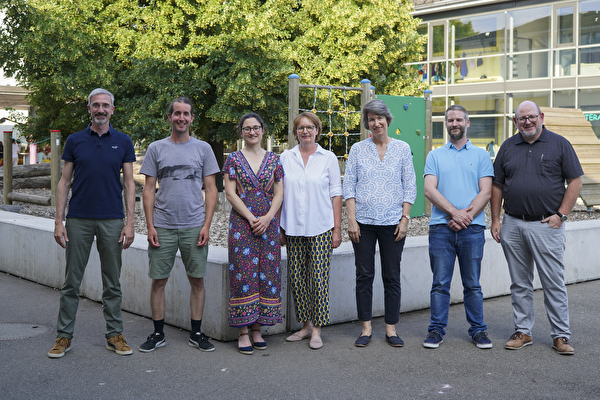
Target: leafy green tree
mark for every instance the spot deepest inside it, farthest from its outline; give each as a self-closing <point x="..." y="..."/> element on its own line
<point x="229" y="57"/>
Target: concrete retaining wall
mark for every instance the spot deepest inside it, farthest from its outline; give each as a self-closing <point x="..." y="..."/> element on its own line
<point x="28" y="250"/>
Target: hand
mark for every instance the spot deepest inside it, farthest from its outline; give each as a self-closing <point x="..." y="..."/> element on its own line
<point x="204" y="236"/>
<point x="127" y="236"/>
<point x="496" y="231"/>
<point x="260" y="225"/>
<point x="462" y="217"/>
<point x="353" y="230"/>
<point x="153" y="237"/>
<point x="454" y="226"/>
<point x="282" y="240"/>
<point x="337" y="238"/>
<point x="401" y="229"/>
<point x="60" y="234"/>
<point x="553" y="222"/>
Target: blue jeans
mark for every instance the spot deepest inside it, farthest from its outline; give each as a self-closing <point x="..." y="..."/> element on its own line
<point x="444" y="246"/>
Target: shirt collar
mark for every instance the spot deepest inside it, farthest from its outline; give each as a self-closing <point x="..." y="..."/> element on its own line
<point x="91" y="131"/>
<point x="296" y="149"/>
<point x="467" y="145"/>
<point x="543" y="136"/>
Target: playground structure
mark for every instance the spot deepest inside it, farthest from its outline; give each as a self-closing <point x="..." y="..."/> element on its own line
<point x="412" y="124"/>
<point x="55" y="171"/>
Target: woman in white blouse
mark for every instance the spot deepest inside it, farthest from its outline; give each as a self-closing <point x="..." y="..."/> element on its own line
<point x="379" y="188"/>
<point x="310" y="225"/>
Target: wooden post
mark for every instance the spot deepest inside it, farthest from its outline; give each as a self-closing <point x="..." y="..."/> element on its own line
<point x="55" y="164"/>
<point x="7" y="167"/>
<point x="294" y="105"/>
<point x="428" y="135"/>
<point x="365" y="96"/>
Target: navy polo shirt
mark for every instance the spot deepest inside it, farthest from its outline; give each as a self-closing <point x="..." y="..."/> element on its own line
<point x="97" y="162"/>
<point x="534" y="174"/>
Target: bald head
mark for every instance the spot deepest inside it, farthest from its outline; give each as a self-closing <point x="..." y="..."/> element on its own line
<point x="529" y="120"/>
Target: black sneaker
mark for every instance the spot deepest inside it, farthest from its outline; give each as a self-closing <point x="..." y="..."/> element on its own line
<point x="200" y="341"/>
<point x="433" y="340"/>
<point x="154" y="340"/>
<point x="481" y="340"/>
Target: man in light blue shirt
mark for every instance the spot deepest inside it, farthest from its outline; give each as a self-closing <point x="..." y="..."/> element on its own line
<point x="458" y="182"/>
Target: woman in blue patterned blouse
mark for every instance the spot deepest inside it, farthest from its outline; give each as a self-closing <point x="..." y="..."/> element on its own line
<point x="379" y="189"/>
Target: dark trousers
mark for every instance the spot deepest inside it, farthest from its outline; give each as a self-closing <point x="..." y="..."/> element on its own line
<point x="390" y="253"/>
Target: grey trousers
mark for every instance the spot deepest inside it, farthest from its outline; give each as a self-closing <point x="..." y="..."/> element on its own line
<point x="525" y="243"/>
<point x="81" y="234"/>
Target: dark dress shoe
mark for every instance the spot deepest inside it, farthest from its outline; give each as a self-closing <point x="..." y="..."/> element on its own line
<point x="363" y="341"/>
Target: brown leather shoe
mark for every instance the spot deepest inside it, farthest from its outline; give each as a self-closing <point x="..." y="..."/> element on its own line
<point x="563" y="347"/>
<point x="518" y="340"/>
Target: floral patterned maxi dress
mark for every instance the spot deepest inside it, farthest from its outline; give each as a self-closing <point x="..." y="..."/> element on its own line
<point x="254" y="261"/>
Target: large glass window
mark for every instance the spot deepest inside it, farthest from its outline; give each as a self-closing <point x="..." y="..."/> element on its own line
<point x="589" y="99"/>
<point x="542" y="99"/>
<point x="481" y="104"/>
<point x="472" y="41"/>
<point x="437" y="41"/>
<point x="565" y="62"/>
<point x="589" y="61"/>
<point x="438" y="106"/>
<point x="589" y="22"/>
<point x="529" y="65"/>
<point x="477" y="69"/>
<point x="564" y="98"/>
<point x="530" y="29"/>
<point x="482" y="131"/>
<point x="564" y="18"/>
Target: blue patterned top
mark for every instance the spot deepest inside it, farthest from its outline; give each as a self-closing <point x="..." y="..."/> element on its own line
<point x="380" y="187"/>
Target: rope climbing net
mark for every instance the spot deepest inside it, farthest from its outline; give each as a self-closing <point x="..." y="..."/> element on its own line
<point x="331" y="129"/>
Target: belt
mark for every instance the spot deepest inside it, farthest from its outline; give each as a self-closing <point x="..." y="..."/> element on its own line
<point x="529" y="217"/>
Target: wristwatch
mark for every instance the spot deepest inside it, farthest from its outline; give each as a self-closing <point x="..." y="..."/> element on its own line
<point x="563" y="218"/>
<point x="405" y="216"/>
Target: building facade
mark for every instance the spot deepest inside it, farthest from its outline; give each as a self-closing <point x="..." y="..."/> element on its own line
<point x="489" y="56"/>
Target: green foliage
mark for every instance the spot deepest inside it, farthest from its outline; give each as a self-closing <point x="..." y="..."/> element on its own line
<point x="229" y="57"/>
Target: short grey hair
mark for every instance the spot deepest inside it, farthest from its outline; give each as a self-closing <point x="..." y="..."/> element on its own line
<point x="377" y="107"/>
<point x="101" y="91"/>
<point x="456" y="107"/>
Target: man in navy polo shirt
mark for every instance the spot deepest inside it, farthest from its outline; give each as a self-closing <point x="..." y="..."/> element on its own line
<point x="95" y="158"/>
<point x="530" y="172"/>
<point x="458" y="182"/>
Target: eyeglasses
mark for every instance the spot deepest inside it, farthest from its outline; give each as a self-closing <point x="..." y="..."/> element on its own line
<point x="254" y="128"/>
<point x="308" y="128"/>
<point x="96" y="106"/>
<point x="531" y="118"/>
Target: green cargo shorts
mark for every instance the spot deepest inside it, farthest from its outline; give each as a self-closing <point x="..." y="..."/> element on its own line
<point x="162" y="258"/>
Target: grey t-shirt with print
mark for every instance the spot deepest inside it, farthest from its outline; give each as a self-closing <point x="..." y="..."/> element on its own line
<point x="179" y="169"/>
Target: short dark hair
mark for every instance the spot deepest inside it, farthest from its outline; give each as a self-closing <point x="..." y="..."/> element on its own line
<point x="313" y="118"/>
<point x="247" y="116"/>
<point x="182" y="99"/>
<point x="456" y="107"/>
<point x="377" y="107"/>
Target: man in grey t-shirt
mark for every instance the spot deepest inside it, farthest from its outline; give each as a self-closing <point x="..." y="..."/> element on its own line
<point x="178" y="217"/>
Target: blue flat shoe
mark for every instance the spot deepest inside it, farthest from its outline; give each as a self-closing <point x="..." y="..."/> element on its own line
<point x="395" y="341"/>
<point x="363" y="341"/>
<point x="248" y="350"/>
<point x="259" y="345"/>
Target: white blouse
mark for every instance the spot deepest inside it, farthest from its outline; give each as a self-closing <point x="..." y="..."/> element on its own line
<point x="307" y="192"/>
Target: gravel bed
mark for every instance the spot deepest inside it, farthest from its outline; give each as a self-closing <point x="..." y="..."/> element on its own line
<point x="418" y="226"/>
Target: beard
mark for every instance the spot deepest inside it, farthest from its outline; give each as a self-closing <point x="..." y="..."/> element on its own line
<point x="457" y="136"/>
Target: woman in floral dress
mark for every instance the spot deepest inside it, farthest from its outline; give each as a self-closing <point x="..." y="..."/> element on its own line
<point x="253" y="186"/>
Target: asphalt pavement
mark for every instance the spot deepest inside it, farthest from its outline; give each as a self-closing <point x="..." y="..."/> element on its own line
<point x="456" y="370"/>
